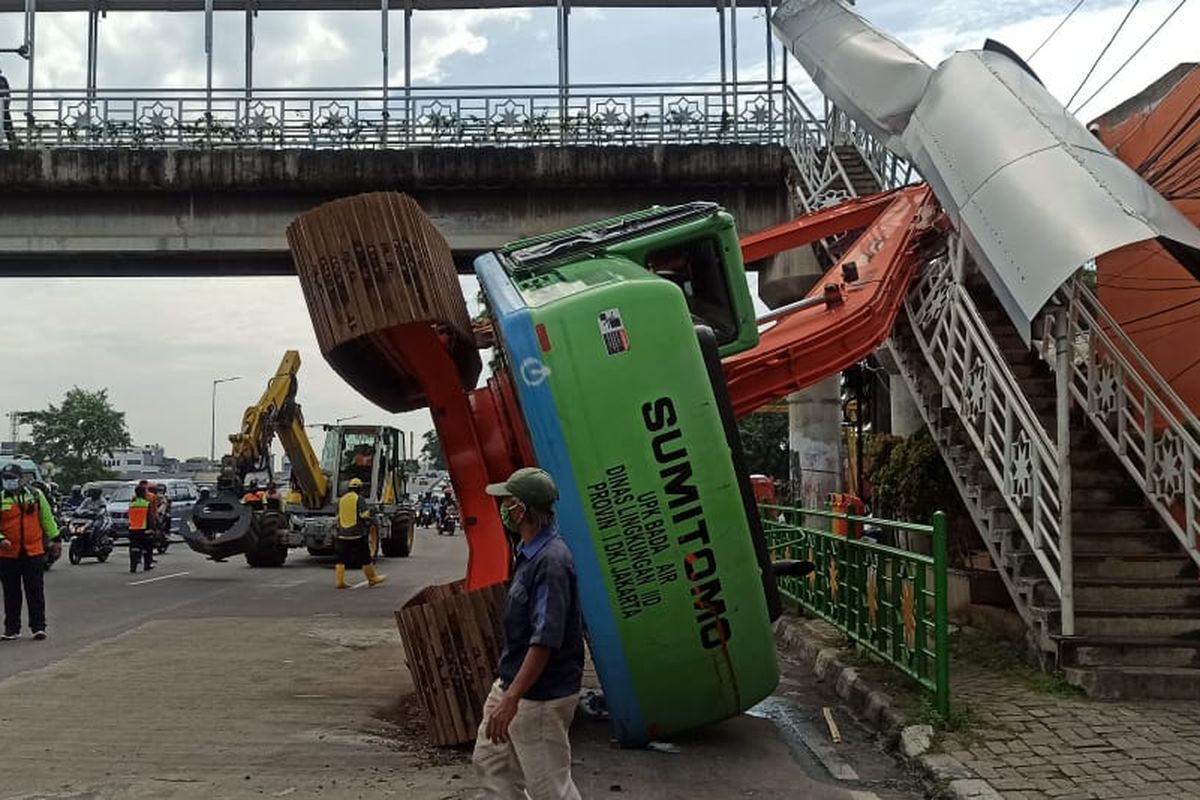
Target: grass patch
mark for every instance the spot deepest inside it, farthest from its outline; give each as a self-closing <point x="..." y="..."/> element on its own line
<point x="1004" y="657"/>
<point x="960" y="722"/>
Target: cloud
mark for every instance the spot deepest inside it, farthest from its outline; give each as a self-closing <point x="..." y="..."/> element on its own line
<point x="158" y="344"/>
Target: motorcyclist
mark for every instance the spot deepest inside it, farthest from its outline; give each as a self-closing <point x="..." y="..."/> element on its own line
<point x="92" y="503"/>
<point x="93" y="506"/>
<point x="445" y="505"/>
<point x="76" y="497"/>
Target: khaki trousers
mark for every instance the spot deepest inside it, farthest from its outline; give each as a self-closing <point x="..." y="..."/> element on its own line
<point x="535" y="762"/>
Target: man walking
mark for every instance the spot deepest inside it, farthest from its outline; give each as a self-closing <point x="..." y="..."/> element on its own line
<point x="353" y="528"/>
<point x="26" y="524"/>
<point x="10" y="135"/>
<point x="523" y="747"/>
<point x="141" y="546"/>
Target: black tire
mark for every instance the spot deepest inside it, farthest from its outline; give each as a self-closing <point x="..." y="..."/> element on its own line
<point x="73" y="555"/>
<point x="162" y="547"/>
<point x="264" y="548"/>
<point x="400" y="543"/>
<point x="102" y="557"/>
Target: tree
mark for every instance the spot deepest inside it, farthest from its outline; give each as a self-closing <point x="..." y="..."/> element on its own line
<point x="75" y="435"/>
<point x="431" y="451"/>
<point x="765" y="443"/>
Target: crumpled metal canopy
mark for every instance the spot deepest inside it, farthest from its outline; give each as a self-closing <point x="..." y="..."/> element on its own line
<point x="1034" y="195"/>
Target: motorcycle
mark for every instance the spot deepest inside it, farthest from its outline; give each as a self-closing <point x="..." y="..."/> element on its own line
<point x="91" y="536"/>
<point x="449" y="521"/>
<point x="427" y="515"/>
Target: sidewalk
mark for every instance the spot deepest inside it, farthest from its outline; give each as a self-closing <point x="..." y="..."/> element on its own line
<point x="1043" y="741"/>
<point x="1032" y="737"/>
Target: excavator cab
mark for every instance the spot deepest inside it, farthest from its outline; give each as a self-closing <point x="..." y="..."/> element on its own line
<point x="368" y="453"/>
<point x="693" y="246"/>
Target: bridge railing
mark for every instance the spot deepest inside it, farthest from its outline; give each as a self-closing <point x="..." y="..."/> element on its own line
<point x="892" y="602"/>
<point x="358" y="117"/>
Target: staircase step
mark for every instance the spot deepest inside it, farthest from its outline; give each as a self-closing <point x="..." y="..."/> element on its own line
<point x="1103" y="516"/>
<point x="1127" y="566"/>
<point x="1087" y="494"/>
<point x="1137" y="622"/>
<point x="1171" y="593"/>
<point x="1125" y="542"/>
<point x="1129" y="651"/>
<point x="1114" y="683"/>
<point x="1094" y="477"/>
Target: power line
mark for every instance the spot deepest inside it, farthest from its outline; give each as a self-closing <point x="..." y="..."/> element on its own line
<point x="1057" y="28"/>
<point x="1100" y="57"/>
<point x="1132" y="56"/>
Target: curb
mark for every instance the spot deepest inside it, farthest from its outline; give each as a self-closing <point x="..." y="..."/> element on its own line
<point x="953" y="779"/>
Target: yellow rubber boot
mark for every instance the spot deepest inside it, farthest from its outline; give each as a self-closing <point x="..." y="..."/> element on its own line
<point x="372" y="578"/>
<point x="341" y="576"/>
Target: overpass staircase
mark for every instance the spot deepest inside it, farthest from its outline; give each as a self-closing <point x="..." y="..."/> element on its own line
<point x="1096" y="541"/>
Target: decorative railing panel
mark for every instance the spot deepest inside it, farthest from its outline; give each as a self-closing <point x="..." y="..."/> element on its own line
<point x="891" y="602"/>
<point x="1008" y="436"/>
<point x="1154" y="434"/>
<point x="441" y="116"/>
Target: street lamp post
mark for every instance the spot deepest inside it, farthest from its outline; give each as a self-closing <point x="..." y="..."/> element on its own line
<point x="212" y="442"/>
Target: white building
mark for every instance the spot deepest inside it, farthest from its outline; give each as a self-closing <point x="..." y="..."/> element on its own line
<point x="132" y="462"/>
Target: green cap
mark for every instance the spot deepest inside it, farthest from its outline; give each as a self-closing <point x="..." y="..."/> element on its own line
<point x="532" y="486"/>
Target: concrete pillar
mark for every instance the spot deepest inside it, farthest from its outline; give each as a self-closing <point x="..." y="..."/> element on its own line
<point x="815" y="414"/>
<point x="906" y="418"/>
<point x="815" y="442"/>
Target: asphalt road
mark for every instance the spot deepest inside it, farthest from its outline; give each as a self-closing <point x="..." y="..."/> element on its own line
<point x="288" y="681"/>
<point x="91" y="601"/>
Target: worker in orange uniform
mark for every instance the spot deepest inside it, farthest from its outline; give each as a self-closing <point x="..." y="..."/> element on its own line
<point x="26" y="524"/>
<point x="254" y="495"/>
<point x="140" y="518"/>
<point x="353" y="528"/>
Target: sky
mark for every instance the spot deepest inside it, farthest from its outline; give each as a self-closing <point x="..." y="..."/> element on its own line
<point x="157" y="344"/>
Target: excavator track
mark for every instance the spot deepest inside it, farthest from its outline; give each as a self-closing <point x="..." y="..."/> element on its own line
<point x="372" y="263"/>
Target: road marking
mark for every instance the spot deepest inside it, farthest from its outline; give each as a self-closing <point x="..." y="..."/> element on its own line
<point x="360" y="584"/>
<point x="286" y="584"/>
<point x="159" y="578"/>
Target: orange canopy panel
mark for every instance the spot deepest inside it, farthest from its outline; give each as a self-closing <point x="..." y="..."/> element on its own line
<point x="1157" y="302"/>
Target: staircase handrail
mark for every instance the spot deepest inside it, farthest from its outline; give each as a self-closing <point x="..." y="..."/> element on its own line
<point x="807" y="138"/>
<point x="889" y="170"/>
<point x="1116" y="385"/>
<point x="976" y="382"/>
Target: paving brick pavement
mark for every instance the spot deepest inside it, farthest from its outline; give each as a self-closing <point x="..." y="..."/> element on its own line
<point x="1033" y="745"/>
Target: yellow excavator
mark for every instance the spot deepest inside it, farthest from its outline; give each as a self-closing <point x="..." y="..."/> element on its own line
<point x="263" y="528"/>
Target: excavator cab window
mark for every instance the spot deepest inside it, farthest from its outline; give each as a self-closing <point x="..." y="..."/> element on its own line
<point x="695" y="267"/>
<point x="357" y="461"/>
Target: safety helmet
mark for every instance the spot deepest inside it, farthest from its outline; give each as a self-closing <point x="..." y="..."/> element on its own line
<point x="356" y="483"/>
<point x="94" y="493"/>
<point x="11" y="471"/>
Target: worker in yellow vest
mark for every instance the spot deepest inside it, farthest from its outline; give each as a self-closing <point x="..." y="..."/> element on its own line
<point x="141" y="548"/>
<point x="353" y="528"/>
<point x="26" y="525"/>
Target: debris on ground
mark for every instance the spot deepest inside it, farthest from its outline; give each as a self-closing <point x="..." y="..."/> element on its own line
<point x="407" y="730"/>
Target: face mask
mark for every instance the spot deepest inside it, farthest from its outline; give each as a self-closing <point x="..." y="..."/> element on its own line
<point x="11" y="484"/>
<point x="507" y="519"/>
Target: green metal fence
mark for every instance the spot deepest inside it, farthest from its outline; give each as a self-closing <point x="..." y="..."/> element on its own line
<point x="879" y="595"/>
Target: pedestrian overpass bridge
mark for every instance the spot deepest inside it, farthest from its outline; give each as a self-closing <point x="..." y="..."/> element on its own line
<point x="187" y="183"/>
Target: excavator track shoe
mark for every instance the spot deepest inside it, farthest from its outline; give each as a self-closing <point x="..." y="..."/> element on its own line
<point x="373" y="263"/>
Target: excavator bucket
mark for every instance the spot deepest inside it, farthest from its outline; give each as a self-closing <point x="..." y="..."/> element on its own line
<point x="219" y="527"/>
